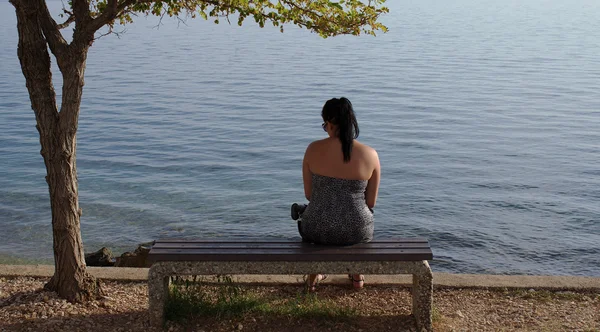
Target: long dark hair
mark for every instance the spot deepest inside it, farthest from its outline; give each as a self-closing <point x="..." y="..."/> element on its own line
<point x="340" y="113"/>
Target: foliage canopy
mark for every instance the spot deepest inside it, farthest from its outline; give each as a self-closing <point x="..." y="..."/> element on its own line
<point x="325" y="17"/>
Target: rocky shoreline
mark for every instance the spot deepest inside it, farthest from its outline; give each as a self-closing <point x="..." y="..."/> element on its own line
<point x="105" y="257"/>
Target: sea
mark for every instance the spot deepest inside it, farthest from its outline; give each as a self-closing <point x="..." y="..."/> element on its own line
<point x="485" y="115"/>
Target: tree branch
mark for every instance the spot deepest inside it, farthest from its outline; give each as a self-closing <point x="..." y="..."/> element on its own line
<point x="15" y="3"/>
<point x="51" y="30"/>
<point x="83" y="18"/>
<point x="35" y="63"/>
<point x="66" y="23"/>
<point x="111" y="31"/>
<point x="113" y="10"/>
<point x="81" y="10"/>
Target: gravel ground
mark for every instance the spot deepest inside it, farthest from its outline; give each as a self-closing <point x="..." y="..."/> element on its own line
<point x="24" y="306"/>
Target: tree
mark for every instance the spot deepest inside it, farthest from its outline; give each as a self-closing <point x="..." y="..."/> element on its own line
<point x="38" y="31"/>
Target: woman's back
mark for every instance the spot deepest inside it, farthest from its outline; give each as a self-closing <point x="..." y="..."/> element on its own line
<point x="325" y="157"/>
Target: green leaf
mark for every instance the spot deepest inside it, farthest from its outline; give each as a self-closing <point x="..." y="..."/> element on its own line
<point x="337" y="5"/>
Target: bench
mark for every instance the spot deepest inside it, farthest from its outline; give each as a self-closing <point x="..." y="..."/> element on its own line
<point x="284" y="257"/>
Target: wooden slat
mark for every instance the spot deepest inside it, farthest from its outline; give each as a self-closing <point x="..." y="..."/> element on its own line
<point x="286" y="245"/>
<point x="262" y="240"/>
<point x="317" y="257"/>
<point x="297" y="251"/>
<point x="290" y="255"/>
<point x="412" y="249"/>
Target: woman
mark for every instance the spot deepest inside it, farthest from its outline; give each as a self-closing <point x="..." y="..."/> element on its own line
<point x="341" y="181"/>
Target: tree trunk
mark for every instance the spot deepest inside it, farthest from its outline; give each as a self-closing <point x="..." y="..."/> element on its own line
<point x="70" y="280"/>
<point x="58" y="140"/>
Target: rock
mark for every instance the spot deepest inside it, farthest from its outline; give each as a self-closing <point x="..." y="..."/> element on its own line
<point x="240" y="327"/>
<point x="138" y="258"/>
<point x="102" y="257"/>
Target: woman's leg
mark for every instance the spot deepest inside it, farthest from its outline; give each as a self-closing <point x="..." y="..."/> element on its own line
<point x="313" y="280"/>
<point x="304" y="238"/>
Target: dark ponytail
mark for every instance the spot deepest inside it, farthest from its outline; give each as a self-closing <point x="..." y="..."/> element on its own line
<point x="340" y="113"/>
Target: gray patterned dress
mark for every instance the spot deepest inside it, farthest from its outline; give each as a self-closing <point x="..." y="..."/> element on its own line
<point x="337" y="213"/>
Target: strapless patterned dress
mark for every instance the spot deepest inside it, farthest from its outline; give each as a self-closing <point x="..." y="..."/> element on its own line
<point x="337" y="212"/>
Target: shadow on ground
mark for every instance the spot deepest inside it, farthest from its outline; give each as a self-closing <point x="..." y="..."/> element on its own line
<point x="138" y="321"/>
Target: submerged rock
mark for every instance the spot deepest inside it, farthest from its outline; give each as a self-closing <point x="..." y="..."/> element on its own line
<point x="102" y="257"/>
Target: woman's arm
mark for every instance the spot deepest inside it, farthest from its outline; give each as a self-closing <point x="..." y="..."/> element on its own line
<point x="373" y="184"/>
<point x="307" y="174"/>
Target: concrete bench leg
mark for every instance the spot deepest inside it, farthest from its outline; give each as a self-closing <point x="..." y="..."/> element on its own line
<point x="422" y="297"/>
<point x="158" y="290"/>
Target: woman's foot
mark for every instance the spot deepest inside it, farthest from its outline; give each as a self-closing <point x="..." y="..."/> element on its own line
<point x="358" y="281"/>
<point x="313" y="280"/>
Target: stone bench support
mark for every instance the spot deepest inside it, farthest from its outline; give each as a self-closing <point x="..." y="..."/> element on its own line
<point x="160" y="273"/>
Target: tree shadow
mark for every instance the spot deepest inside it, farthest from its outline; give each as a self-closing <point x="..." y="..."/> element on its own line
<point x="277" y="323"/>
<point x="29" y="311"/>
<point x="125" y="321"/>
<point x="138" y="321"/>
<point x="23" y="297"/>
<point x="22" y="305"/>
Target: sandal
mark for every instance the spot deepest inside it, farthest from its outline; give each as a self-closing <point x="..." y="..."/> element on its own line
<point x="297" y="210"/>
<point x="295" y="213"/>
<point x="358" y="284"/>
<point x="313" y="288"/>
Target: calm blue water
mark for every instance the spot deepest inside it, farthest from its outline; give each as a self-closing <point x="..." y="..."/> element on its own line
<point x="485" y="114"/>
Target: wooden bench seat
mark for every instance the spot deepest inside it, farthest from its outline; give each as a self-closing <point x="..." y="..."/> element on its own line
<point x="284" y="257"/>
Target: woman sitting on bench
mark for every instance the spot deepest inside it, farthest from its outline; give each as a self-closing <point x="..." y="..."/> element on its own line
<point x="341" y="180"/>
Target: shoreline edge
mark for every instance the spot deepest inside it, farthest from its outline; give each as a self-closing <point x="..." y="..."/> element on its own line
<point x="440" y="280"/>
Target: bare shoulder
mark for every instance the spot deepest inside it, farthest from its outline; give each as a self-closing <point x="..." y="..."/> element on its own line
<point x="366" y="150"/>
<point x="315" y="144"/>
<point x="314" y="147"/>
